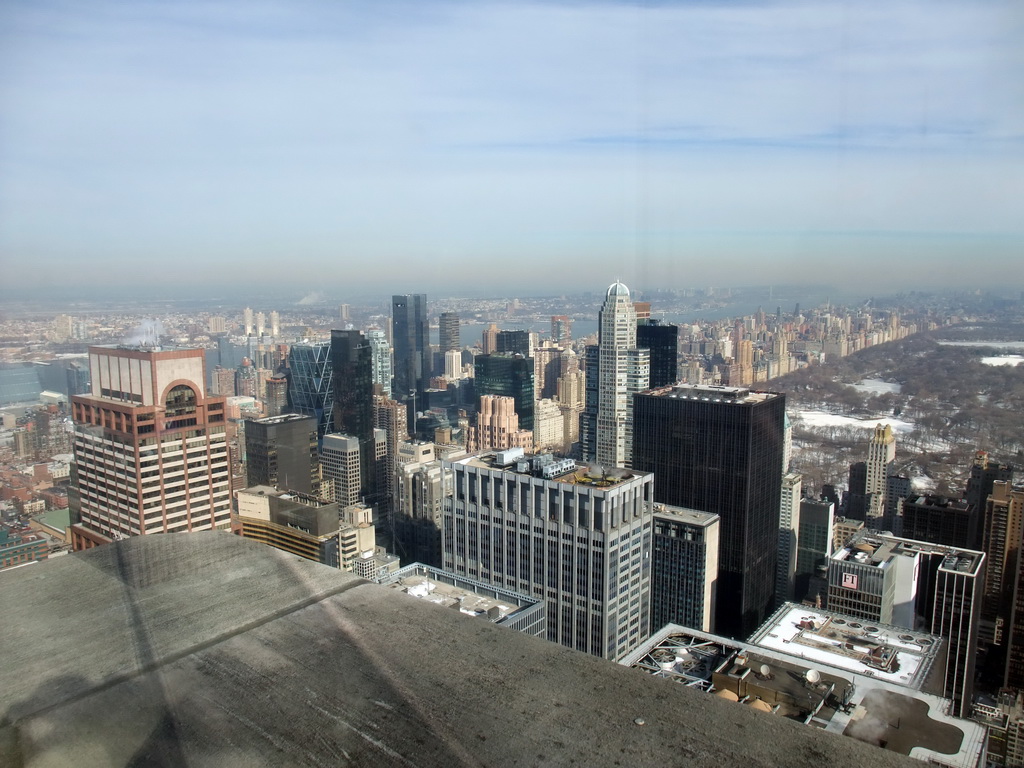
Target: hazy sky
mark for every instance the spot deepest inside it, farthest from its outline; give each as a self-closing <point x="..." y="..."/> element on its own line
<point x="401" y="146"/>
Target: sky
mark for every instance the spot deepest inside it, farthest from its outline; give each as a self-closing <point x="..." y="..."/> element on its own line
<point x="538" y="147"/>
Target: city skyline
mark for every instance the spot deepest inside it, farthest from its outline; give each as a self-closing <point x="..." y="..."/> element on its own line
<point x="667" y="143"/>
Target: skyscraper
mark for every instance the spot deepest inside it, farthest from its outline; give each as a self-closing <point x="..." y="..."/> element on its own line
<point x="814" y="543"/>
<point x="448" y="332"/>
<point x="381" y="351"/>
<point x="276" y="401"/>
<point x="719" y="450"/>
<point x="514" y="342"/>
<point x="339" y="459"/>
<point x="281" y="452"/>
<point x="984" y="472"/>
<point x="311" y="384"/>
<point x="881" y="455"/>
<point x="622" y="370"/>
<point x="684" y="568"/>
<point x="352" y="364"/>
<point x="561" y="329"/>
<point x="578" y="537"/>
<point x="412" y="347"/>
<point x="789" y="526"/>
<point x="151" y="452"/>
<point x="1003" y="613"/>
<point x="507" y="376"/>
<point x="662" y="343"/>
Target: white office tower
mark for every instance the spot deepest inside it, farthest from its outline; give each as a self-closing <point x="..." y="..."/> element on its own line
<point x="789" y="526"/>
<point x="247" y="321"/>
<point x="622" y="370"/>
<point x="577" y="536"/>
<point x="453" y="365"/>
<point x="275" y="323"/>
<point x="261" y="324"/>
<point x="339" y="462"/>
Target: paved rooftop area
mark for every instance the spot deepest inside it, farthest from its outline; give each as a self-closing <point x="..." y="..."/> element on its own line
<point x="210" y="650"/>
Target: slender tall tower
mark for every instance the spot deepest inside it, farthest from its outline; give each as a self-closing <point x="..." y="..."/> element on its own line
<point x="352" y="364"/>
<point x="412" y="347"/>
<point x="881" y="455"/>
<point x="622" y="370"/>
<point x="448" y="332"/>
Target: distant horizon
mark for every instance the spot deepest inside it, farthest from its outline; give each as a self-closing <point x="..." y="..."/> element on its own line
<point x="48" y="301"/>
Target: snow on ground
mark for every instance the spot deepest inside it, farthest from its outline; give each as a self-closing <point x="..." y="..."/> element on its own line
<point x="1003" y="360"/>
<point x="922" y="483"/>
<point x="991" y="344"/>
<point x="825" y="419"/>
<point x="877" y="386"/>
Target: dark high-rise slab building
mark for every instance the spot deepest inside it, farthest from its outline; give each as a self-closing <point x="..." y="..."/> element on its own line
<point x="662" y="341"/>
<point x="514" y="342"/>
<point x="719" y="450"/>
<point x="448" y="332"/>
<point x="412" y="346"/>
<point x="985" y="472"/>
<point x="684" y="568"/>
<point x="588" y="416"/>
<point x="939" y="520"/>
<point x="281" y="451"/>
<point x="508" y="376"/>
<point x="352" y="366"/>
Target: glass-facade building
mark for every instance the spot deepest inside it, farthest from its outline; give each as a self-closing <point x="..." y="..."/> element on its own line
<point x="507" y="376"/>
<point x="311" y="384"/>
<point x="662" y="342"/>
<point x="412" y="345"/>
<point x="719" y="450"/>
<point x="352" y="362"/>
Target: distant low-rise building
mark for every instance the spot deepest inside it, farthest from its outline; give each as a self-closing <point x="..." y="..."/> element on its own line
<point x="21" y="548"/>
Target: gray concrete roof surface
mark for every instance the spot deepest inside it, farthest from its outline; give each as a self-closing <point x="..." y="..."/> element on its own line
<point x="209" y="650"/>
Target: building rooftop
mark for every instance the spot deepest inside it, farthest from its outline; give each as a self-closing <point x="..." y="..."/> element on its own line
<point x="450" y="596"/>
<point x="284" y="417"/>
<point x="206" y="649"/>
<point x="560" y="470"/>
<point x="714" y="393"/>
<point x="685" y="514"/>
<point x="870" y="548"/>
<point x="782" y="685"/>
<point x="894" y="654"/>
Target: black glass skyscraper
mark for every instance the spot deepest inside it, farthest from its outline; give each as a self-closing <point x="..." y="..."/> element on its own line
<point x="352" y="366"/>
<point x="412" y="346"/>
<point x="508" y="376"/>
<point x="719" y="450"/>
<point x="514" y="342"/>
<point x="663" y="343"/>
